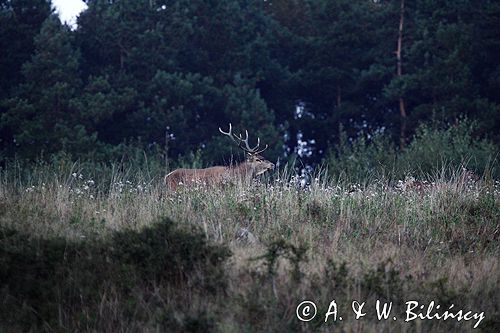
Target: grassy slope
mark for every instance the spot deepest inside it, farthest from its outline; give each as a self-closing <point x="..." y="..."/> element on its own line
<point x="393" y="243"/>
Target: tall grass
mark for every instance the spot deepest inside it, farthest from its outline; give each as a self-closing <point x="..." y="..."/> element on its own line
<point x="84" y="250"/>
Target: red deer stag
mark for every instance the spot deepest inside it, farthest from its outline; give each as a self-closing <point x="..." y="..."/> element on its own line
<point x="254" y="165"/>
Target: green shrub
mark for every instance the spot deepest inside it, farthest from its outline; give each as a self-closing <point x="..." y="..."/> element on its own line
<point x="433" y="149"/>
<point x="165" y="252"/>
<point x="42" y="277"/>
<point x="361" y="159"/>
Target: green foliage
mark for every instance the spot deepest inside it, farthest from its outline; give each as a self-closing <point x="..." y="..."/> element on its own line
<point x="281" y="248"/>
<point x="41" y="275"/>
<point x="20" y="21"/>
<point x="43" y="115"/>
<point x="165" y="252"/>
<point x="361" y="159"/>
<point x="434" y="149"/>
<point x="162" y="76"/>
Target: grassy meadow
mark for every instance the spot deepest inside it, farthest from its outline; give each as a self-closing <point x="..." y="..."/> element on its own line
<point x="85" y="251"/>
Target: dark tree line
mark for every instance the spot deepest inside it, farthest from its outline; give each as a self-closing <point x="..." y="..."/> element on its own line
<point x="160" y="74"/>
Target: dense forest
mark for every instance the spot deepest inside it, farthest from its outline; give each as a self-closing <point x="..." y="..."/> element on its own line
<point x="162" y="76"/>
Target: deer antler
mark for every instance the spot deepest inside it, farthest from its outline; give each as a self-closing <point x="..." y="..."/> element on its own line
<point x="239" y="140"/>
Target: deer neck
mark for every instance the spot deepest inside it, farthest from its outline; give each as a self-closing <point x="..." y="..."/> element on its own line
<point x="243" y="169"/>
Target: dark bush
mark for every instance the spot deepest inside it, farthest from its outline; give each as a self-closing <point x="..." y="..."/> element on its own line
<point x="42" y="277"/>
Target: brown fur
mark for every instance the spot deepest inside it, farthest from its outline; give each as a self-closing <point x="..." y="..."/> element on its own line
<point x="253" y="166"/>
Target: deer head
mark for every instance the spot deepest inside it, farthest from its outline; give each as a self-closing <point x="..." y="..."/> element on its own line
<point x="255" y="163"/>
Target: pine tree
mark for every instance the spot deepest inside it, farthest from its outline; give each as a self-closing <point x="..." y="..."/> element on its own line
<point x="43" y="114"/>
<point x="20" y="21"/>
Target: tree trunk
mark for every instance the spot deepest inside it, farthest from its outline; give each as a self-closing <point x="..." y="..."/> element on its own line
<point x="402" y="107"/>
<point x="339" y="95"/>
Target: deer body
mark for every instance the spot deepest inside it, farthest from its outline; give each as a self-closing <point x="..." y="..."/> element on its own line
<point x="216" y="175"/>
<point x="180" y="177"/>
<point x="254" y="165"/>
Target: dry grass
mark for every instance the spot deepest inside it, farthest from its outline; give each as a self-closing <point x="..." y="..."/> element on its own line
<point x="397" y="242"/>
